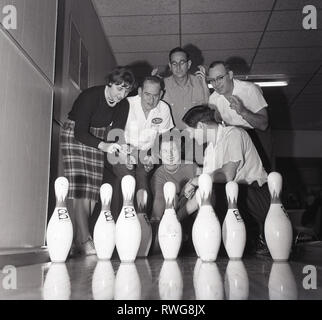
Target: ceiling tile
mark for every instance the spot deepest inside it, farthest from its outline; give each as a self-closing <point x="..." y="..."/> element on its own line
<point x="219" y="41"/>
<point x="285" y="68"/>
<point x="201" y="6"/>
<point x="288" y="20"/>
<point x="139" y="25"/>
<point x="144" y="43"/>
<point x="224" y="22"/>
<point x="298" y="4"/>
<point x="303" y="38"/>
<point x="153" y="58"/>
<point x="241" y="57"/>
<point x="110" y="8"/>
<point x="289" y="55"/>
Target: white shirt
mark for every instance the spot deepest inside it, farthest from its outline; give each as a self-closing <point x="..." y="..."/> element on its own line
<point x="248" y="93"/>
<point x="140" y="131"/>
<point x="234" y="144"/>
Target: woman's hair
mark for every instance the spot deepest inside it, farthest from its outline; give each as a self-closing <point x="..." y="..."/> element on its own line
<point x="201" y="113"/>
<point x="123" y="76"/>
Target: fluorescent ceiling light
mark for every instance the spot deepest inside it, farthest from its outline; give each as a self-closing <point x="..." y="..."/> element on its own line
<point x="278" y="83"/>
<point x="272" y="83"/>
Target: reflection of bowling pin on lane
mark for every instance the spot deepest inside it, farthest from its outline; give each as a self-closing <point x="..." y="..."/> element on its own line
<point x="236" y="281"/>
<point x="278" y="227"/>
<point x="103" y="281"/>
<point x="128" y="229"/>
<point x="234" y="231"/>
<point x="208" y="282"/>
<point x="206" y="230"/>
<point x="57" y="283"/>
<point x="127" y="282"/>
<point x="170" y="231"/>
<point x="146" y="229"/>
<point x="170" y="281"/>
<point x="281" y="283"/>
<point x="104" y="231"/>
<point x="60" y="229"/>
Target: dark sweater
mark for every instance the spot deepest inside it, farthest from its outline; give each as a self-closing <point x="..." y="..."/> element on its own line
<point x="90" y="109"/>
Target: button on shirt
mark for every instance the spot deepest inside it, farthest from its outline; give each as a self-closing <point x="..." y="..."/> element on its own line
<point x="248" y="93"/>
<point x="140" y="131"/>
<point x="234" y="144"/>
<point x="183" y="98"/>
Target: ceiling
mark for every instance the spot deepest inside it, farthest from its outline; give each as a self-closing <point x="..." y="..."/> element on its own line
<point x="258" y="37"/>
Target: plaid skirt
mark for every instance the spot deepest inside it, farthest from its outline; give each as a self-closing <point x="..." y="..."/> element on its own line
<point x="83" y="165"/>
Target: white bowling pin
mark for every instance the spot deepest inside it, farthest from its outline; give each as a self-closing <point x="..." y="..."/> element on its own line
<point x="170" y="231"/>
<point x="233" y="231"/>
<point x="208" y="282"/>
<point x="278" y="227"/>
<point x="236" y="281"/>
<point x="57" y="283"/>
<point x="104" y="230"/>
<point x="206" y="230"/>
<point x="170" y="281"/>
<point x="60" y="229"/>
<point x="103" y="281"/>
<point x="281" y="283"/>
<point x="127" y="282"/>
<point x="128" y="229"/>
<point x="146" y="234"/>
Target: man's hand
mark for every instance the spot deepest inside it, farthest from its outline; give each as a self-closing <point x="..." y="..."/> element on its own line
<point x="148" y="163"/>
<point x="201" y="73"/>
<point x="236" y="104"/>
<point x="189" y="189"/>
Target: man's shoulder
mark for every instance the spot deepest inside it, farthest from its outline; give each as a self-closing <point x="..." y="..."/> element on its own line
<point x="133" y="99"/>
<point x="245" y="85"/>
<point x="163" y="106"/>
<point x="235" y="133"/>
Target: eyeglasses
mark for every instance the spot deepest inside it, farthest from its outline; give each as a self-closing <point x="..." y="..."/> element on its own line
<point x="174" y="64"/>
<point x="219" y="79"/>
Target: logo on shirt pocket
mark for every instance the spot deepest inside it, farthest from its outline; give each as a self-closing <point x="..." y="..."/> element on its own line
<point x="157" y="120"/>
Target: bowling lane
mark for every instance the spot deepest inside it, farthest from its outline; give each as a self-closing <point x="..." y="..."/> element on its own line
<point x="155" y="279"/>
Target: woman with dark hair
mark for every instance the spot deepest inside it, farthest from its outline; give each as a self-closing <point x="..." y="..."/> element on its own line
<point x="84" y="145"/>
<point x="231" y="156"/>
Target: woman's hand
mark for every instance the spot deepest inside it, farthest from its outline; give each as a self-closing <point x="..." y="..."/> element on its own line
<point x="109" y="147"/>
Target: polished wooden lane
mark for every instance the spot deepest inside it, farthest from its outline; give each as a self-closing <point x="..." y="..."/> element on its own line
<point x="253" y="278"/>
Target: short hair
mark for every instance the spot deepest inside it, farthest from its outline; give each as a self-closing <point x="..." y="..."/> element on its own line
<point x="201" y="113"/>
<point x="121" y="75"/>
<point x="178" y="49"/>
<point x="154" y="79"/>
<point x="220" y="62"/>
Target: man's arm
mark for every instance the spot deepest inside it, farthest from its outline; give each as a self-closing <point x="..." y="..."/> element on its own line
<point x="226" y="173"/>
<point x="258" y="120"/>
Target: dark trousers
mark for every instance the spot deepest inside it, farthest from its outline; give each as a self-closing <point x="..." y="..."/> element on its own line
<point x="253" y="204"/>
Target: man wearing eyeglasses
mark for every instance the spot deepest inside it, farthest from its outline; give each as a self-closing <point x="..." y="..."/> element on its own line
<point x="182" y="89"/>
<point x="240" y="103"/>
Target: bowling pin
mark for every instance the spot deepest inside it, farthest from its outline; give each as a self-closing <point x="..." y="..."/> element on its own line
<point x="278" y="227"/>
<point x="170" y="231"/>
<point x="104" y="230"/>
<point x="281" y="283"/>
<point x="60" y="229"/>
<point x="127" y="282"/>
<point x="57" y="283"/>
<point x="208" y="283"/>
<point x="236" y="281"/>
<point x="128" y="229"/>
<point x="234" y="231"/>
<point x="206" y="230"/>
<point x="170" y="281"/>
<point x="146" y="234"/>
<point x="103" y="281"/>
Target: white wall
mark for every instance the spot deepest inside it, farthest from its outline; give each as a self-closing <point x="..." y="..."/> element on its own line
<point x="27" y="57"/>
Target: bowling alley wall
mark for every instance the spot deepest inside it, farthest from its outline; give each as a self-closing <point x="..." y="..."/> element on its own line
<point x="27" y="60"/>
